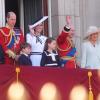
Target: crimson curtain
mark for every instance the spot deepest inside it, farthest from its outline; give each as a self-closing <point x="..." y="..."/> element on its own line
<point x="34" y="78"/>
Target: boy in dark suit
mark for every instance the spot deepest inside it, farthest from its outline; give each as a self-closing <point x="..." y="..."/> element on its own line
<point x="24" y="58"/>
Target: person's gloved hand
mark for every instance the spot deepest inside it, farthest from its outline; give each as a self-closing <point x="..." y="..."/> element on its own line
<point x="11" y="54"/>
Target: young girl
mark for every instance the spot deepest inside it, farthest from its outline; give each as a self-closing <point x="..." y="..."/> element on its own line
<point x="50" y="56"/>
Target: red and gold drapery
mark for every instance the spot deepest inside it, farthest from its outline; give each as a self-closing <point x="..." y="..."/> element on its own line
<point x="33" y="79"/>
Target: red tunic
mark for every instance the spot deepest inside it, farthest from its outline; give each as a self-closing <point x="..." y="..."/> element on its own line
<point x="10" y="39"/>
<point x="64" y="47"/>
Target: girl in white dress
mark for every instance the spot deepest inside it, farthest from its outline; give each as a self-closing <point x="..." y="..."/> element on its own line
<point x="90" y="50"/>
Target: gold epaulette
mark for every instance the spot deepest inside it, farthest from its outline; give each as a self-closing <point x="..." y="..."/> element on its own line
<point x="4" y="33"/>
<point x="11" y="33"/>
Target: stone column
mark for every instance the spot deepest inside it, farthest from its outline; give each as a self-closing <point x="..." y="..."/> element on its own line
<point x="54" y="18"/>
<point x="21" y="15"/>
<point x="83" y="13"/>
<point x="90" y="14"/>
<point x="2" y="13"/>
<point x="71" y="8"/>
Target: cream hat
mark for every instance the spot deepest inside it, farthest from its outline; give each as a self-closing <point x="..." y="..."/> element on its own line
<point x="38" y="22"/>
<point x="91" y="30"/>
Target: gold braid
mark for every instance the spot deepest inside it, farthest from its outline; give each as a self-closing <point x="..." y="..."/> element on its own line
<point x="4" y="33"/>
<point x="69" y="46"/>
<point x="11" y="33"/>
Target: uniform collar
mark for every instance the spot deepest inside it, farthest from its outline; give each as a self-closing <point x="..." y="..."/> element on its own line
<point x="9" y="27"/>
<point x="24" y="54"/>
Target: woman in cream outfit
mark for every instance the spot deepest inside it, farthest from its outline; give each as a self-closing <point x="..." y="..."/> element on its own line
<point x="91" y="49"/>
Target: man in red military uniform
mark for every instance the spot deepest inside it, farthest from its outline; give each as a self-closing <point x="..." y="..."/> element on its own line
<point x="66" y="48"/>
<point x="10" y="39"/>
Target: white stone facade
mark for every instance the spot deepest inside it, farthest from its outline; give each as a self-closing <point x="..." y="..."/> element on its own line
<point x="83" y="13"/>
<point x="2" y="13"/>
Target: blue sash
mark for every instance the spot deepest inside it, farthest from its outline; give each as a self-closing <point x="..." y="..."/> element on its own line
<point x="11" y="44"/>
<point x="70" y="54"/>
<point x="17" y="34"/>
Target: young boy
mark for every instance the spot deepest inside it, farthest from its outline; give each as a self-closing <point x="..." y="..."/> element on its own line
<point x="24" y="57"/>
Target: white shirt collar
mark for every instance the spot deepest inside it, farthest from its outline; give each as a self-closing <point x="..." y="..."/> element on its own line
<point x="24" y="54"/>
